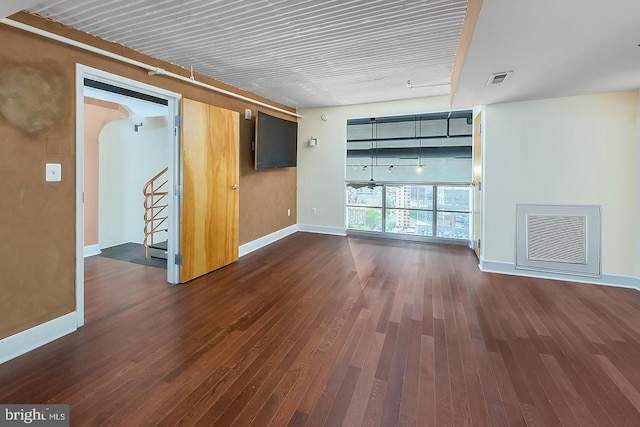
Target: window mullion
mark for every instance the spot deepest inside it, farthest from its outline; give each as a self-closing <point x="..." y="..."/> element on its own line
<point x="434" y="212"/>
<point x="384" y="208"/>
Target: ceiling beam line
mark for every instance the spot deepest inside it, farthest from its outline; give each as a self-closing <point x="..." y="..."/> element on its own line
<point x="152" y="70"/>
<point x="468" y="26"/>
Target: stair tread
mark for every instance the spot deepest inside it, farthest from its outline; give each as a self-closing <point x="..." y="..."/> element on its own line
<point x="160" y="245"/>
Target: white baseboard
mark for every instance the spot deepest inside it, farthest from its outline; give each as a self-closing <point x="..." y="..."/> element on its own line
<point x="254" y="245"/>
<point x="617" y="280"/>
<point x="91" y="250"/>
<point x="275" y="236"/>
<point x="322" y="229"/>
<point x="25" y="341"/>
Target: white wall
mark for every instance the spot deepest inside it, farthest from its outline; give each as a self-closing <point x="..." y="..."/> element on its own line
<point x="321" y="169"/>
<point x="577" y="150"/>
<point x="127" y="160"/>
<point x="638" y="185"/>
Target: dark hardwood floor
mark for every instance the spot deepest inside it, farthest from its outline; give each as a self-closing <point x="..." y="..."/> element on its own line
<point x="326" y="330"/>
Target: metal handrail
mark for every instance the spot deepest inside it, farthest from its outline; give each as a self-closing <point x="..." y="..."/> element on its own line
<point x="153" y="209"/>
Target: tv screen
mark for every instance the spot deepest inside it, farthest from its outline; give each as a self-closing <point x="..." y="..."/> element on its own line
<point x="276" y="142"/>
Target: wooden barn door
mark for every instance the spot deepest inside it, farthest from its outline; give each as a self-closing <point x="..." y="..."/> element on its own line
<point x="209" y="205"/>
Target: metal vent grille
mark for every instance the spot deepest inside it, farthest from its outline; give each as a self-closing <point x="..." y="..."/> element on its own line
<point x="557" y="238"/>
<point x="563" y="239"/>
<point x="499" y="78"/>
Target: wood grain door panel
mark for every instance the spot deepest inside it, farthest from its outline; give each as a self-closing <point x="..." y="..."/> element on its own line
<point x="209" y="205"/>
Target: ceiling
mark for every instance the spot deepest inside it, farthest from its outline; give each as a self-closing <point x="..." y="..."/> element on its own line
<point x="312" y="53"/>
<point x="301" y="53"/>
<point x="555" y="48"/>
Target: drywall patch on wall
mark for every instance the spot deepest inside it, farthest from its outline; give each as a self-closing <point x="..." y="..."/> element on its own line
<point x="32" y="98"/>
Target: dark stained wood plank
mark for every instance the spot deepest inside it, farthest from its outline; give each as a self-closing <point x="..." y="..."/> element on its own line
<point x="569" y="393"/>
<point x="585" y="386"/>
<point x="628" y="390"/>
<point x="384" y="364"/>
<point x="459" y="396"/>
<point x="509" y="397"/>
<point x="410" y="388"/>
<point x="372" y="332"/>
<point x="343" y="398"/>
<point x="442" y="384"/>
<point x="490" y="403"/>
<point x="373" y="413"/>
<point x="393" y="398"/>
<point x="427" y="308"/>
<point x="426" y="384"/>
<point x="359" y="400"/>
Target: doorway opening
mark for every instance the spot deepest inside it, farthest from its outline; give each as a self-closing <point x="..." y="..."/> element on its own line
<point x="125" y="137"/>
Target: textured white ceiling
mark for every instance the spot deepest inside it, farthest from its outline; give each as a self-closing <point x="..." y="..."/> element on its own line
<point x="555" y="48"/>
<point x="302" y="53"/>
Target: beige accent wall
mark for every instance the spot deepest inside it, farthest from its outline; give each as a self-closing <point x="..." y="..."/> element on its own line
<point x="579" y="150"/>
<point x="97" y="114"/>
<point x="37" y="219"/>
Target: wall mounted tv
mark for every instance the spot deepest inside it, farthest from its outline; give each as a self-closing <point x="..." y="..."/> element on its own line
<point x="276" y="142"/>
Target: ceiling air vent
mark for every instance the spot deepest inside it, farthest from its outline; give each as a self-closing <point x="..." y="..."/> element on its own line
<point x="498" y="78"/>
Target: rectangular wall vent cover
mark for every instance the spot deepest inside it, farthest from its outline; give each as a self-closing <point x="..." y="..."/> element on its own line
<point x="557" y="238"/>
<point x="564" y="239"/>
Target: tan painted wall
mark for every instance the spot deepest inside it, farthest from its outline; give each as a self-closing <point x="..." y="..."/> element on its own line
<point x="37" y="219"/>
<point x="97" y="114"/>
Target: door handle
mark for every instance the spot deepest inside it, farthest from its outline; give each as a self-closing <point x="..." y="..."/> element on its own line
<point x="234" y="187"/>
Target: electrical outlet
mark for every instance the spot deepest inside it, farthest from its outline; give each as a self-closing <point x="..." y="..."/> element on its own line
<point x="314" y="211"/>
<point x="288" y="212"/>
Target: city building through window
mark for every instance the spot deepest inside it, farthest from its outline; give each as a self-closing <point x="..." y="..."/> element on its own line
<point x="410" y="176"/>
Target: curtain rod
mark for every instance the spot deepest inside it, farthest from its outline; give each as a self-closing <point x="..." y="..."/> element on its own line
<point x="151" y="70"/>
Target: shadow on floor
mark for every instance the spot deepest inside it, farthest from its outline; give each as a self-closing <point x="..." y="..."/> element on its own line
<point x="132" y="252"/>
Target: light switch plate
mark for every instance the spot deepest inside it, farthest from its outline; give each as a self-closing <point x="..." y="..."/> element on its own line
<point x="53" y="172"/>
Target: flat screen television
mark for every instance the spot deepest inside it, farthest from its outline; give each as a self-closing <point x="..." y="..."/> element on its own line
<point x="276" y="142"/>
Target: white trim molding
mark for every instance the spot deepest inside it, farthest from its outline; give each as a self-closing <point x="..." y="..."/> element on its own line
<point x="263" y="241"/>
<point x="254" y="245"/>
<point x="25" y="341"/>
<point x="617" y="280"/>
<point x="92" y="250"/>
<point x="337" y="231"/>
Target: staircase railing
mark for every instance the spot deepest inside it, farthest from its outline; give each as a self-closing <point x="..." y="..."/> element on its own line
<point x="155" y="208"/>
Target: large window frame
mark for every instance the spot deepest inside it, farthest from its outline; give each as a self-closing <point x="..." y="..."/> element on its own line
<point x="434" y="212"/>
<point x="408" y="154"/>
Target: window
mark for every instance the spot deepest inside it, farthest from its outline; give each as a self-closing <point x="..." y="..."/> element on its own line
<point x="364" y="208"/>
<point x="410" y="175"/>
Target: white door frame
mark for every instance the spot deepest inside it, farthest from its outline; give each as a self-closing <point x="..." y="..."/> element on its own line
<point x="173" y="98"/>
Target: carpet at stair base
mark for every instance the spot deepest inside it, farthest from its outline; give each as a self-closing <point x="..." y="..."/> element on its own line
<point x="133" y="252"/>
